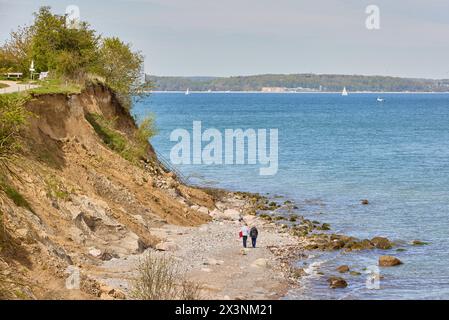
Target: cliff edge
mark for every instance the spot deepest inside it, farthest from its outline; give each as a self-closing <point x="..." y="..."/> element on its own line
<point x="73" y="198"/>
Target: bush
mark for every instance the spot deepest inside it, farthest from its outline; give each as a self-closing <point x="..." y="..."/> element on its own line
<point x="132" y="150"/>
<point x="13" y="118"/>
<point x="159" y="278"/>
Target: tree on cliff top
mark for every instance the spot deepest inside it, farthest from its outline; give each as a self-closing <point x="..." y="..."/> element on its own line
<point x="121" y="68"/>
<point x="70" y="52"/>
<point x="73" y="54"/>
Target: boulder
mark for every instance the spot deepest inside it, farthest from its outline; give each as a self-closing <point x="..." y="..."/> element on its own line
<point x="232" y="214"/>
<point x="389" y="261"/>
<point x="337" y="282"/>
<point x="381" y="243"/>
<point x="203" y="210"/>
<point x="365" y="202"/>
<point x="167" y="246"/>
<point x="343" y="269"/>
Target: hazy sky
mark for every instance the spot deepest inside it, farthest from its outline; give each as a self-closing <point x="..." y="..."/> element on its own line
<point x="241" y="37"/>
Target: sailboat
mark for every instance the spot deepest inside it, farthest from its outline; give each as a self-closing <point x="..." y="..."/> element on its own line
<point x="344" y="93"/>
<point x="187" y="92"/>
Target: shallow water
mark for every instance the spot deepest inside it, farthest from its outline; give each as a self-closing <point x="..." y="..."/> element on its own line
<point x="334" y="151"/>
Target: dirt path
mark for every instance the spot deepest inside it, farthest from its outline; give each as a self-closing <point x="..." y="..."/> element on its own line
<point x="16" y="87"/>
<point x="213" y="256"/>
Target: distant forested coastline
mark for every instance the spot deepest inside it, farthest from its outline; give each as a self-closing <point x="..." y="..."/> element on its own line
<point x="298" y="83"/>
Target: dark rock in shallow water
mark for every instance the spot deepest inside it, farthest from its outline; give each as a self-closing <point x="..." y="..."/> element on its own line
<point x="364" y="202"/>
<point x="419" y="243"/>
<point x="343" y="269"/>
<point x="381" y="243"/>
<point x="389" y="261"/>
<point x="337" y="282"/>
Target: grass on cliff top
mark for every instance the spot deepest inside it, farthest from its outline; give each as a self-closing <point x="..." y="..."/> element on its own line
<point x="133" y="149"/>
<point x="56" y="86"/>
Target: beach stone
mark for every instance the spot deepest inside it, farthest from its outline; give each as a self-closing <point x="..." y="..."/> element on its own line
<point x="343" y="269"/>
<point x="365" y="202"/>
<point x="337" y="282"/>
<point x="94" y="252"/>
<point x="232" y="214"/>
<point x="167" y="246"/>
<point x="355" y="273"/>
<point x="203" y="210"/>
<point x="389" y="261"/>
<point x="381" y="243"/>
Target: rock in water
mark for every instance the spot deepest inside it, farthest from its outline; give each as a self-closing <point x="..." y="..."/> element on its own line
<point x="343" y="269"/>
<point x="389" y="261"/>
<point x="337" y="282"/>
<point x="365" y="202"/>
<point x="381" y="243"/>
<point x="419" y="243"/>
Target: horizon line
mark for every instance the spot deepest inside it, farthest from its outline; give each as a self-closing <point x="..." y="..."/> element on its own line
<point x="304" y="73"/>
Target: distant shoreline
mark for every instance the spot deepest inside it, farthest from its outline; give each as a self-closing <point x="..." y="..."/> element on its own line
<point x="308" y="92"/>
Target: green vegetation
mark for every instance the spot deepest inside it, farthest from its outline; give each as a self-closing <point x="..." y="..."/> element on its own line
<point x="72" y="56"/>
<point x="13" y="118"/>
<point x="132" y="149"/>
<point x="56" y="86"/>
<point x="14" y="195"/>
<point x="300" y="82"/>
<point x="2" y="85"/>
<point x="55" y="189"/>
<point x="121" y="69"/>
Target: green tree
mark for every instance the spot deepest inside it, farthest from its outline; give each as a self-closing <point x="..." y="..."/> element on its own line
<point x="122" y="69"/>
<point x="69" y="52"/>
<point x="15" y="53"/>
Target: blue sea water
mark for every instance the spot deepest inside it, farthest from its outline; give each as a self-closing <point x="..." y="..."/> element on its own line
<point x="333" y="152"/>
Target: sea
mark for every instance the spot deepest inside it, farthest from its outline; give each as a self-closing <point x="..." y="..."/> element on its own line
<point x="334" y="151"/>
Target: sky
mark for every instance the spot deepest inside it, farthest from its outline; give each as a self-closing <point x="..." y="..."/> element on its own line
<point x="245" y="37"/>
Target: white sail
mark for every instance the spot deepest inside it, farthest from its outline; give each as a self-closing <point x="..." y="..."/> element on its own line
<point x="187" y="92"/>
<point x="344" y="93"/>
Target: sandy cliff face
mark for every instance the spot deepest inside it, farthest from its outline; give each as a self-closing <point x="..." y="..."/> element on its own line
<point x="83" y="203"/>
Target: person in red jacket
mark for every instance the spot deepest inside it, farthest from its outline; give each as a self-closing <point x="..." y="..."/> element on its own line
<point x="244" y="232"/>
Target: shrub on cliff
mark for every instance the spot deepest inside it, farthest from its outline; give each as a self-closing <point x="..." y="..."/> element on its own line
<point x="132" y="148"/>
<point x="13" y="118"/>
<point x="122" y="69"/>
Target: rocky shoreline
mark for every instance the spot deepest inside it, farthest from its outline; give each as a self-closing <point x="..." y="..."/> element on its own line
<point x="212" y="254"/>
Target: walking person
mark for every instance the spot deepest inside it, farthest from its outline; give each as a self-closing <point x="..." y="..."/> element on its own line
<point x="254" y="233"/>
<point x="244" y="232"/>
